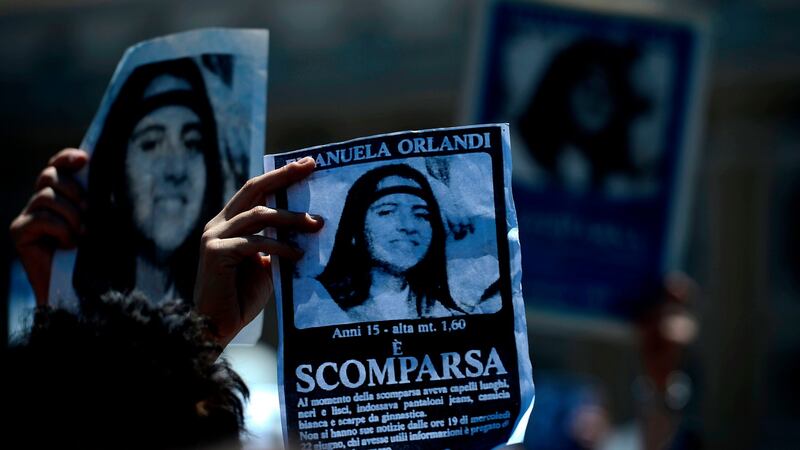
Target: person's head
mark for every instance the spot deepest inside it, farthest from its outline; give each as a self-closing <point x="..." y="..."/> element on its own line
<point x="166" y="174"/>
<point x="121" y="374"/>
<point x="398" y="227"/>
<point x="154" y="177"/>
<point x="585" y="98"/>
<point x="391" y="221"/>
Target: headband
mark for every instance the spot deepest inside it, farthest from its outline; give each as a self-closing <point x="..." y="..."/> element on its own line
<point x="183" y="97"/>
<point x="412" y="189"/>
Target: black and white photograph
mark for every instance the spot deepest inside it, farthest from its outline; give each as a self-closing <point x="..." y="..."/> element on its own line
<point x="592" y="100"/>
<point x="400" y="243"/>
<point x="417" y="259"/>
<point x="602" y="106"/>
<point x="594" y="113"/>
<point x="176" y="135"/>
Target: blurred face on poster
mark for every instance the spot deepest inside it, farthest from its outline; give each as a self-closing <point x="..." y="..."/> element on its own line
<point x="590" y="102"/>
<point x="155" y="177"/>
<point x="166" y="174"/>
<point x="580" y="122"/>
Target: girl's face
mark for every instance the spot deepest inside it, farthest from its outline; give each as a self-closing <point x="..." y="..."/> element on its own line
<point x="398" y="231"/>
<point x="591" y="102"/>
<point x="166" y="175"/>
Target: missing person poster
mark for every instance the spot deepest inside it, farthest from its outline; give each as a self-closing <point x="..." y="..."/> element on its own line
<point x="603" y="107"/>
<point x="181" y="127"/>
<point x="403" y="326"/>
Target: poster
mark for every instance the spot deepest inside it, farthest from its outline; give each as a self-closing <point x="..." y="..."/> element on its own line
<point x="603" y="108"/>
<point x="403" y="325"/>
<point x="180" y="128"/>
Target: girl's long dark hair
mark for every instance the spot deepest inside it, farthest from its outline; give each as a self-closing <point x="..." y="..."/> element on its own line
<point x="347" y="276"/>
<point x="106" y="257"/>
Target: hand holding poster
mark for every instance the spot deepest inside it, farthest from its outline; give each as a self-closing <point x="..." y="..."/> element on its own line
<point x="179" y="130"/>
<point x="403" y="324"/>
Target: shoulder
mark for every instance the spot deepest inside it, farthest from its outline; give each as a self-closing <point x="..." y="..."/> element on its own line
<point x="488" y="306"/>
<point x="437" y="309"/>
<point x="314" y="307"/>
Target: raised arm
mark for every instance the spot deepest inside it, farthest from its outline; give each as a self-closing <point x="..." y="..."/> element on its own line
<point x="52" y="219"/>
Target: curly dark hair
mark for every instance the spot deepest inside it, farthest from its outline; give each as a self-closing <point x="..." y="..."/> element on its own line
<point x="122" y="373"/>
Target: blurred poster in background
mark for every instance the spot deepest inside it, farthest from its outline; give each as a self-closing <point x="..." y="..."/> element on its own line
<point x="603" y="110"/>
<point x="180" y="128"/>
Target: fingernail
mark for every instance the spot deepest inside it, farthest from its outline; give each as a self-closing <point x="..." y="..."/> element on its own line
<point x="264" y="260"/>
<point x="317" y="218"/>
<point x="306" y="161"/>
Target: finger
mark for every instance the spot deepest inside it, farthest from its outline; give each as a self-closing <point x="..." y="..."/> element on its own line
<point x="257" y="188"/>
<point x="247" y="246"/>
<point x="48" y="200"/>
<point x="46" y="224"/>
<point x="264" y="260"/>
<point x="63" y="184"/>
<point x="257" y="218"/>
<point x="70" y="159"/>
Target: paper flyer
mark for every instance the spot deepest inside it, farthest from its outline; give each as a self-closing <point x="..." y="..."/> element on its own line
<point x="603" y="106"/>
<point x="180" y="128"/>
<point x="403" y="324"/>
